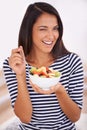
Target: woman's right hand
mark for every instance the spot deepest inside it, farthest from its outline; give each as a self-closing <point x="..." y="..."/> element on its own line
<point x="17" y="61"/>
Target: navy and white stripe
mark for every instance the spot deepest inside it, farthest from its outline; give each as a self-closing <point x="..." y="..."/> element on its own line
<point x="47" y="113"/>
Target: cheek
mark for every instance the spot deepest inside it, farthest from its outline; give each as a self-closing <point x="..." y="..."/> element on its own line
<point x="56" y="35"/>
<point x="37" y="35"/>
<point x="36" y="39"/>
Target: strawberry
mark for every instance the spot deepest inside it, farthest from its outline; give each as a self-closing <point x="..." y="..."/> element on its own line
<point x="44" y="72"/>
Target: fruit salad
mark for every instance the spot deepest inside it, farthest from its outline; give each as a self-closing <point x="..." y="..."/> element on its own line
<point x="44" y="72"/>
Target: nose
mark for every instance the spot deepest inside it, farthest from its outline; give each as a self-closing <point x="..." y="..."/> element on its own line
<point x="50" y="35"/>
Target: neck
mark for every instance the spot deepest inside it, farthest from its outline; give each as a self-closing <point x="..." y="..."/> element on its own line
<point x="39" y="59"/>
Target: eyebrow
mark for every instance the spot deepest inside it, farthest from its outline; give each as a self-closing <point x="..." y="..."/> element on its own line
<point x="43" y="26"/>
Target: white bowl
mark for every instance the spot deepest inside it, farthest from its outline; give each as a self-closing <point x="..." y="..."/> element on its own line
<point x="44" y="83"/>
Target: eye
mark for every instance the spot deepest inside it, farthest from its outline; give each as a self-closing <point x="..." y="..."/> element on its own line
<point x="42" y="29"/>
<point x="56" y="28"/>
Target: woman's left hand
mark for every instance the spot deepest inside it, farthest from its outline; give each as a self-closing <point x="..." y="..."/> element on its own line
<point x="52" y="89"/>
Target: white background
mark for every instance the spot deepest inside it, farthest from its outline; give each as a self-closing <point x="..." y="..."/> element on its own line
<point x="73" y="14"/>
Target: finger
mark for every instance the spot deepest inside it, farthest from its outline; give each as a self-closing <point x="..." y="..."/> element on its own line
<point x="44" y="91"/>
<point x="13" y="61"/>
<point x="17" y="60"/>
<point x="52" y="89"/>
<point x="15" y="55"/>
<point x="56" y="87"/>
<point x="16" y="50"/>
<point x="47" y="92"/>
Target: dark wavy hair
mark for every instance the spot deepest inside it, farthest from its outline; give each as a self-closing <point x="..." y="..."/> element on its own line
<point x="33" y="12"/>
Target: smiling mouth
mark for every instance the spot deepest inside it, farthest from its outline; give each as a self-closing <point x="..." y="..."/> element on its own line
<point x="47" y="42"/>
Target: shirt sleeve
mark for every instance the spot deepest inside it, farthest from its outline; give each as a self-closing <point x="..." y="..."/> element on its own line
<point x="76" y="80"/>
<point x="11" y="81"/>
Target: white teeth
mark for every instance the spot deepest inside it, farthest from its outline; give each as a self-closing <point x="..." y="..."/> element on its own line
<point x="47" y="42"/>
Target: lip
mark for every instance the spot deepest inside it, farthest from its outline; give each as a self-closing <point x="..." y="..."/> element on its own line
<point x="48" y="42"/>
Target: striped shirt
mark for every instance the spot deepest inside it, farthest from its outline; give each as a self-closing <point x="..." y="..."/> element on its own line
<point x="47" y="113"/>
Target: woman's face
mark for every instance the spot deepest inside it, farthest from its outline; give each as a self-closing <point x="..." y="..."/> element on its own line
<point x="45" y="33"/>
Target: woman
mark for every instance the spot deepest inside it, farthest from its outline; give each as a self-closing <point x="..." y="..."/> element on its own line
<point x="40" y="44"/>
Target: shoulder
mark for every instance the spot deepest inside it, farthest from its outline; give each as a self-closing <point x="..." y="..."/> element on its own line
<point x="5" y="62"/>
<point x="6" y="66"/>
<point x="76" y="64"/>
<point x="74" y="56"/>
<point x="75" y="60"/>
<point x="71" y="58"/>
